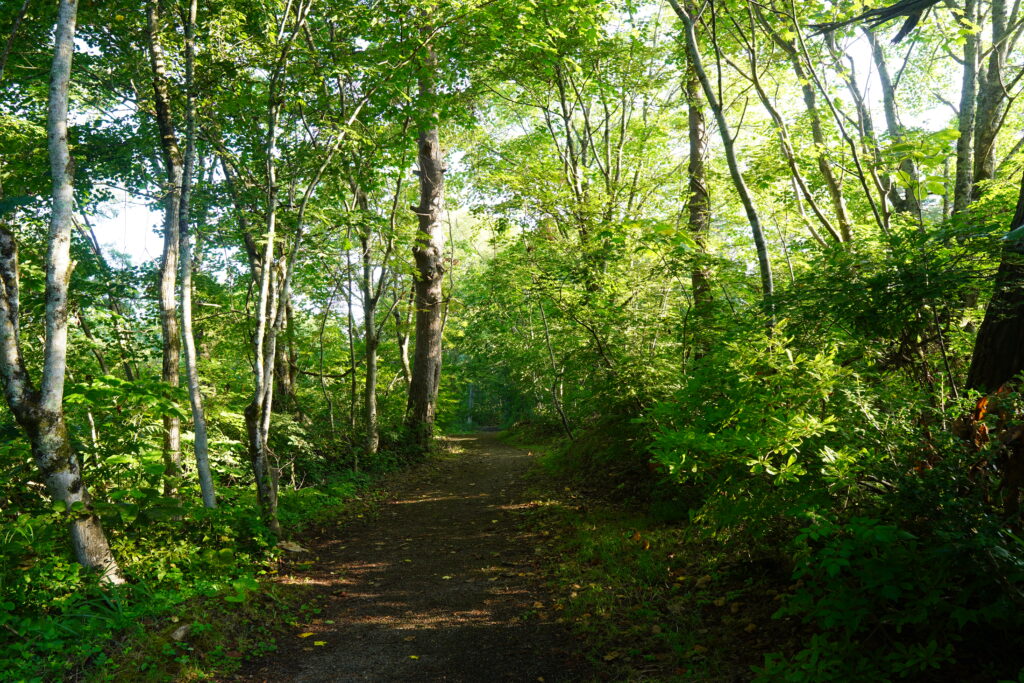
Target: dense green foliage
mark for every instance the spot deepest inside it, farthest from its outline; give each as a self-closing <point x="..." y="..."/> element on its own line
<point x="825" y="441"/>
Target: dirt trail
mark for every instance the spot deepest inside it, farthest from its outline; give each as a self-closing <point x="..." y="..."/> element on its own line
<point x="435" y="588"/>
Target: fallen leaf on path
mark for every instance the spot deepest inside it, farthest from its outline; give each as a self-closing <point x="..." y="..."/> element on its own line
<point x="305" y="635"/>
<point x="319" y="643"/>
<point x="447" y="578"/>
<point x="414" y="656"/>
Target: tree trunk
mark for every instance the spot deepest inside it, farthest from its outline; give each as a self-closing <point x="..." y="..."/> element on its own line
<point x="402" y="334"/>
<point x="988" y="116"/>
<point x="370" y="391"/>
<point x="169" y="260"/>
<point x="699" y="201"/>
<point x="835" y="191"/>
<point x="428" y="254"/>
<point x="763" y="260"/>
<point x="371" y="342"/>
<point x="285" y="399"/>
<point x="350" y="318"/>
<point x="810" y="98"/>
<point x="41" y="413"/>
<point x="909" y="202"/>
<point x="556" y="381"/>
<point x="999" y="347"/>
<point x="257" y="413"/>
<point x="963" y="185"/>
<point x="195" y="395"/>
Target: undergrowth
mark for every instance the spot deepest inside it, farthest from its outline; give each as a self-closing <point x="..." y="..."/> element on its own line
<point x="199" y="597"/>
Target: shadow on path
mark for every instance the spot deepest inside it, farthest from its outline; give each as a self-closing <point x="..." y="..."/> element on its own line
<point x="437" y="587"/>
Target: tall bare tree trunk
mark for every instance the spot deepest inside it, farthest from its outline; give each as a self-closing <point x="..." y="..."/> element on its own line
<point x="728" y="142"/>
<point x="195" y="395"/>
<point x="428" y="254"/>
<point x="41" y="413"/>
<point x="403" y="321"/>
<point x="988" y="117"/>
<point x="371" y="339"/>
<point x="832" y="184"/>
<point x="699" y="201"/>
<point x="257" y="413"/>
<point x="964" y="183"/>
<point x="350" y="317"/>
<point x="169" y="261"/>
<point x="909" y="202"/>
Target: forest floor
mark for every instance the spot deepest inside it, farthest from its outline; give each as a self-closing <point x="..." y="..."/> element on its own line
<point x="444" y="583"/>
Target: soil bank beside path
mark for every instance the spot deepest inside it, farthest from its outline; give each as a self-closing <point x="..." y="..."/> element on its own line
<point x="438" y="587"/>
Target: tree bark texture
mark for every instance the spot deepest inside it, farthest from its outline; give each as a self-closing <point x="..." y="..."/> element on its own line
<point x="991" y="98"/>
<point x="173" y="166"/>
<point x="195" y="395"/>
<point x="999" y="347"/>
<point x="428" y="254"/>
<point x="371" y="340"/>
<point x="699" y="200"/>
<point x="964" y="182"/>
<point x="41" y="412"/>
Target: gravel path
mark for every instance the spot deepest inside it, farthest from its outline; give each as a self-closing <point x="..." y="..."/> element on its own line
<point x="439" y="587"/>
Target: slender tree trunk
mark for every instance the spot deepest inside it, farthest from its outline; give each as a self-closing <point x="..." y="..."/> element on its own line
<point x="556" y="382"/>
<point x="18" y="18"/>
<point x="370" y="391"/>
<point x="41" y="413"/>
<point x="991" y="98"/>
<point x="763" y="260"/>
<point x="351" y="342"/>
<point x="964" y="183"/>
<point x="428" y="254"/>
<point x="275" y="285"/>
<point x="908" y="203"/>
<point x="787" y="151"/>
<point x="323" y="379"/>
<point x="699" y="201"/>
<point x="195" y="395"/>
<point x="371" y="342"/>
<point x="257" y="413"/>
<point x="402" y="334"/>
<point x="835" y="191"/>
<point x="169" y="260"/>
<point x="810" y="98"/>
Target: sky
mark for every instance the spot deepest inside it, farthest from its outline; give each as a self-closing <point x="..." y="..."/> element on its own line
<point x="128" y="226"/>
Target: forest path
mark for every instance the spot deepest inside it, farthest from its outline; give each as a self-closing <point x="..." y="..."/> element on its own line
<point x="437" y="587"/>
